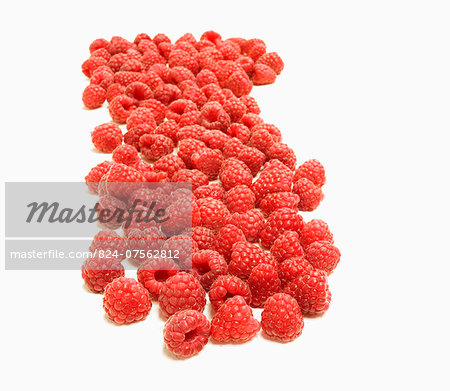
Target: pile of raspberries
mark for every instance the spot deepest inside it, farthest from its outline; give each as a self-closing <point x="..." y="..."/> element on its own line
<point x="189" y="118"/>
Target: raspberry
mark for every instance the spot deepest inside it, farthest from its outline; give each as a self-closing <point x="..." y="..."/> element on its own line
<point x="119" y="45"/>
<point x="323" y="255"/>
<point x="131" y="65"/>
<point x="226" y="69"/>
<point x="181" y="292"/>
<point x="139" y="91"/>
<point x="235" y="109"/>
<point x="110" y="245"/>
<point x="263" y="74"/>
<point x="232" y="148"/>
<point x="211" y="36"/>
<point x="226" y="237"/>
<point x="134" y="134"/>
<point x="283" y="153"/>
<point x="312" y="170"/>
<point x="99" y="43"/>
<point x="239" y="199"/>
<point x="239" y="83"/>
<point x="286" y="246"/>
<point x="126" y="301"/>
<point x="95" y="174"/>
<point x="169" y="164"/>
<point x="234" y="322"/>
<point x="153" y="273"/>
<point x="215" y="139"/>
<point x="141" y="242"/>
<point x="126" y="77"/>
<point x="251" y="104"/>
<point x="160" y="38"/>
<point x="253" y="158"/>
<point x="121" y="108"/>
<point x="273" y="61"/>
<point x="310" y="195"/>
<point x="213" y="190"/>
<point x="187" y="148"/>
<point x="195" y="177"/>
<point x="226" y="287"/>
<point x="177" y="108"/>
<point x="102" y="78"/>
<point x="167" y="93"/>
<point x="282" y="318"/>
<point x="91" y="64"/>
<point x="270" y="181"/>
<point x="106" y="137"/>
<point x="126" y="154"/>
<point x="239" y="131"/>
<point x="157" y="108"/>
<point x="230" y="50"/>
<point x="99" y="272"/>
<point x="116" y="61"/>
<point x="179" y="216"/>
<point x="234" y="172"/>
<point x="117" y="180"/>
<point x="245" y="256"/>
<point x="210" y="265"/>
<point x="195" y="95"/>
<point x="311" y="292"/>
<point x="261" y="139"/>
<point x="204" y="237"/>
<point x="186" y="333"/>
<point x="280" y="221"/>
<point x="93" y="96"/>
<point x="263" y="283"/>
<point x="169" y="129"/>
<point x="250" y="222"/>
<point x="208" y="161"/>
<point x="154" y="146"/>
<point x="247" y="64"/>
<point x="213" y="116"/>
<point x="141" y="116"/>
<point x="256" y="50"/>
<point x="292" y="268"/>
<point x="114" y="89"/>
<point x="189" y="118"/>
<point x="279" y="200"/>
<point x="191" y="131"/>
<point x="251" y="120"/>
<point x="179" y="74"/>
<point x="180" y="58"/>
<point x="205" y="77"/>
<point x="214" y="214"/>
<point x="222" y="96"/>
<point x="110" y="211"/>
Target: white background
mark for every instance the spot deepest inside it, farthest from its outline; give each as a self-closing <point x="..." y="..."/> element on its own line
<point x="365" y="89"/>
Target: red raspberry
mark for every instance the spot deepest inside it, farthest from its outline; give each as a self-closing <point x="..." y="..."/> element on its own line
<point x="210" y="265"/>
<point x="99" y="43"/>
<point x="186" y="333"/>
<point x="134" y="134"/>
<point x="211" y="36"/>
<point x="191" y="131"/>
<point x="187" y="148"/>
<point x="103" y="78"/>
<point x="204" y="237"/>
<point x="177" y="108"/>
<point x="272" y="129"/>
<point x="247" y="64"/>
<point x="234" y="322"/>
<point x="93" y="96"/>
<point x="195" y="177"/>
<point x="116" y="61"/>
<point x="226" y="237"/>
<point x="275" y="201"/>
<point x="131" y="65"/>
<point x="312" y="170"/>
<point x="141" y="242"/>
<point x="245" y="256"/>
<point x="234" y="172"/>
<point x="108" y="244"/>
<point x="150" y="58"/>
<point x="232" y="148"/>
<point x="205" y="77"/>
<point x="180" y="58"/>
<point x="169" y="164"/>
<point x="106" y="137"/>
<point x="95" y="174"/>
<point x="251" y="104"/>
<point x="251" y="120"/>
<point x="213" y="190"/>
<point x="230" y="50"/>
<point x="287" y="246"/>
<point x="99" y="271"/>
<point x="114" y="89"/>
<point x="154" y="146"/>
<point x="262" y="75"/>
<point x="283" y="153"/>
<point x="256" y="49"/>
<point x="126" y="77"/>
<point x="222" y="96"/>
<point x="235" y="109"/>
<point x="153" y="273"/>
<point x="119" y="45"/>
<point x="226" y="287"/>
<point x="214" y="214"/>
<point x="167" y="93"/>
<point x="253" y="158"/>
<point x="280" y="221"/>
<point x="139" y="91"/>
<point x="292" y="268"/>
<point x="323" y="255"/>
<point x="311" y="292"/>
<point x="272" y="60"/>
<point x="215" y="139"/>
<point x="250" y="222"/>
<point x="179" y="74"/>
<point x="126" y="154"/>
<point x="213" y="116"/>
<point x="261" y="139"/>
<point x="195" y="95"/>
<point x="141" y="116"/>
<point x="263" y="283"/>
<point x="210" y="89"/>
<point x="157" y="108"/>
<point x="169" y="129"/>
<point x="181" y="292"/>
<point x="208" y="161"/>
<point x="91" y="64"/>
<point x="126" y="301"/>
<point x="274" y="180"/>
<point x="310" y="195"/>
<point x="239" y="83"/>
<point x="282" y="318"/>
<point x="189" y="118"/>
<point x="239" y="131"/>
<point x="121" y="108"/>
<point x="110" y="211"/>
<point x="239" y="199"/>
<point x="117" y="182"/>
